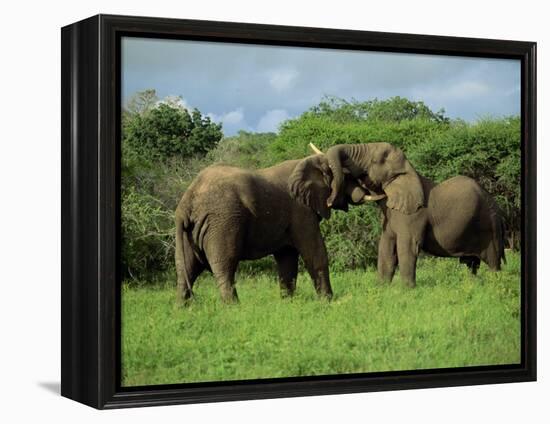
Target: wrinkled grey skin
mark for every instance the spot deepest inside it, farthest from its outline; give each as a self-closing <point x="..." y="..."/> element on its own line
<point x="231" y="214"/>
<point x="454" y="218"/>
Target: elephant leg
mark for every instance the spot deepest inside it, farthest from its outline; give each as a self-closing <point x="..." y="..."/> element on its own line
<point x="492" y="258"/>
<point x="222" y="252"/>
<point x="474" y="265"/>
<point x="312" y="248"/>
<point x="318" y="270"/>
<point x="287" y="266"/>
<point x="407" y="254"/>
<point x="224" y="273"/>
<point x="472" y="262"/>
<point x="188" y="266"/>
<point x="187" y="273"/>
<point x="387" y="256"/>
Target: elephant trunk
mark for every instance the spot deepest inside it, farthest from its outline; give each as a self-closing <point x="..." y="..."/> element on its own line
<point x="334" y="156"/>
<point x="344" y="157"/>
<point x="342" y="153"/>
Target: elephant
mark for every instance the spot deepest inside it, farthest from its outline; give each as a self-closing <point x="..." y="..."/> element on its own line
<point x="230" y="214"/>
<point x="455" y="218"/>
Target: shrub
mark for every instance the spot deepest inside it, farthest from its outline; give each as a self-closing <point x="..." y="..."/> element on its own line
<point x="246" y="150"/>
<point x="394" y="109"/>
<point x="147" y="235"/>
<point x="169" y="130"/>
<point x="351" y="237"/>
<point x="324" y="132"/>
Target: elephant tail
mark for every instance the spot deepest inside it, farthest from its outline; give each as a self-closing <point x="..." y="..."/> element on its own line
<point x="502" y="238"/>
<point x="184" y="251"/>
<point x="499" y="234"/>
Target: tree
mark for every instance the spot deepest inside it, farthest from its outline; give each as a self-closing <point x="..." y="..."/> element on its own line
<point x="142" y="102"/>
<point x="394" y="109"/>
<point x="167" y="129"/>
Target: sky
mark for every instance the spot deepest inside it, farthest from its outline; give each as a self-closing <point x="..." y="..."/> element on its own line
<point x="255" y="88"/>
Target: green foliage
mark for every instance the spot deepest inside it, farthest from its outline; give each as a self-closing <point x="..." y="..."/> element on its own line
<point x="246" y="150"/>
<point x="351" y="237"/>
<point x="168" y="130"/>
<point x="325" y="132"/>
<point x="394" y="109"/>
<point x="451" y="319"/>
<point x="150" y="192"/>
<point x="147" y="239"/>
<point x="163" y="148"/>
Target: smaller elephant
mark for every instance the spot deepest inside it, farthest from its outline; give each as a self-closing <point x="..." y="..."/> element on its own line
<point x="230" y="214"/>
<point x="455" y="218"/>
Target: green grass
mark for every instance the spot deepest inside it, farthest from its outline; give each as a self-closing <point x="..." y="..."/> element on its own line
<point x="451" y="319"/>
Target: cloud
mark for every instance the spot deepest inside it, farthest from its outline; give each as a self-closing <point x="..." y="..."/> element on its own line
<point x="282" y="79"/>
<point x="233" y="117"/>
<point x="232" y="121"/>
<point x="271" y="120"/>
<point x="176" y="101"/>
<point x="468" y="89"/>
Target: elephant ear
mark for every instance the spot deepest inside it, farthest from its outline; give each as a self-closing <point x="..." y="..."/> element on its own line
<point x="404" y="191"/>
<point x="309" y="184"/>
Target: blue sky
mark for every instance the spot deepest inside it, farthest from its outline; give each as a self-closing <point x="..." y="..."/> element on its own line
<point x="255" y="88"/>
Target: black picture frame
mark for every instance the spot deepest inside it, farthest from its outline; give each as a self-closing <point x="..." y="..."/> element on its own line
<point x="90" y="179"/>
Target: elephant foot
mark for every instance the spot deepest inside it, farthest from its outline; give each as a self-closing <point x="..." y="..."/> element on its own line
<point x="184" y="298"/>
<point x="229" y="297"/>
<point x="411" y="284"/>
<point x="287" y="294"/>
<point x="287" y="288"/>
<point x="327" y="295"/>
<point x="472" y="262"/>
<point x="384" y="280"/>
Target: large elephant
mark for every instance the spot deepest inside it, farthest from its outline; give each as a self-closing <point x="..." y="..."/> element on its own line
<point x="455" y="218"/>
<point x="230" y="214"/>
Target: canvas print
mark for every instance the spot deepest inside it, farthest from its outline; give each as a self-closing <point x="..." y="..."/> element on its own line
<point x="294" y="212"/>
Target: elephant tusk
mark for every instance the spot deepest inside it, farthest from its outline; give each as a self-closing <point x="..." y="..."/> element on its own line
<point x="373" y="198"/>
<point x="315" y="149"/>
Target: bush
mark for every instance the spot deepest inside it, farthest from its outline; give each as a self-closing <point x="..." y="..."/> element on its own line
<point x="168" y="130"/>
<point x="324" y="132"/>
<point x="246" y="150"/>
<point x="394" y="109"/>
<point x="351" y="237"/>
<point x="147" y="235"/>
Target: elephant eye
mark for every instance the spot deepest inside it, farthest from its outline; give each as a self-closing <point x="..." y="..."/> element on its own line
<point x="384" y="156"/>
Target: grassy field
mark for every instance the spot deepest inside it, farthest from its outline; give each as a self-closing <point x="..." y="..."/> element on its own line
<point x="451" y="319"/>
